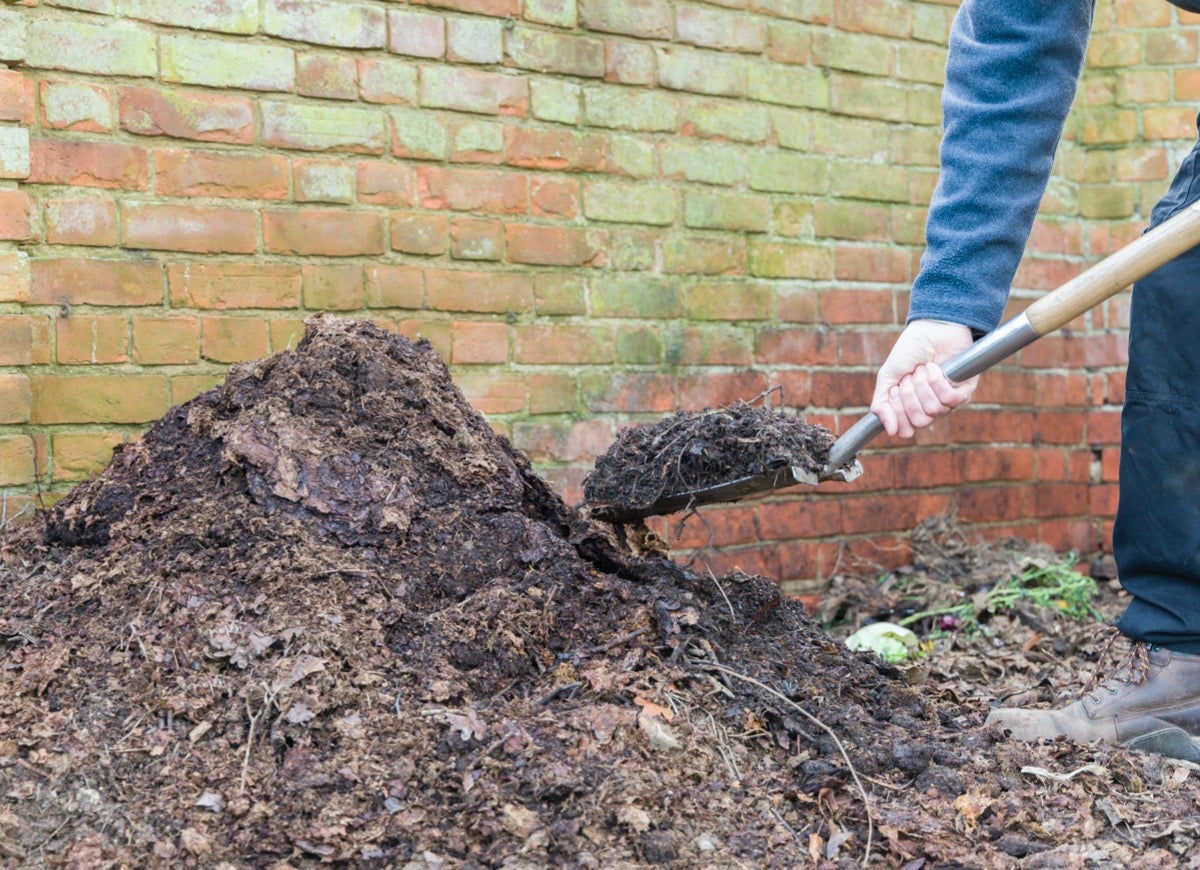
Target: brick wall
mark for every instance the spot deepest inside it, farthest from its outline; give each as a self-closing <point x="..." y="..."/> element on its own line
<point x="598" y="211"/>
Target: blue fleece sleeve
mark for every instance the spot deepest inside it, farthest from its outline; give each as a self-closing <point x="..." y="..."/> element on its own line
<point x="1011" y="76"/>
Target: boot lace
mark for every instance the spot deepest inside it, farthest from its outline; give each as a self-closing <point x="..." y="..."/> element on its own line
<point x="1131" y="669"/>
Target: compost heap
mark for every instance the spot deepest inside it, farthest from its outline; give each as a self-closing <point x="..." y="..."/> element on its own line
<point x="323" y="614"/>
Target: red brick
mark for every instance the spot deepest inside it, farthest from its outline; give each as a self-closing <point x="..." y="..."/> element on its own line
<point x="81" y="222"/>
<point x="418" y="233"/>
<point x="971" y="425"/>
<point x="561" y="345"/>
<point x="552" y="394"/>
<point x="856" y="305"/>
<point x="720" y="389"/>
<point x="477" y="190"/>
<point x="805" y="517"/>
<point x="555" y="197"/>
<point x="200" y="115"/>
<point x="841" y="389"/>
<point x="990" y="504"/>
<point x="222" y="286"/>
<point x="195" y="229"/>
<point x="16" y="397"/>
<point x="1058" y="427"/>
<point x="16" y="216"/>
<point x="723" y="526"/>
<point x="179" y="172"/>
<point x="478" y="342"/>
<point x="24" y="340"/>
<point x="468" y="90"/>
<point x="864" y="263"/>
<point x="797" y="346"/>
<point x="864" y="348"/>
<point x="631" y="393"/>
<point x="16" y="97"/>
<point x="324" y="232"/>
<point x="493" y="393"/>
<point x="1057" y="499"/>
<point x="484" y="292"/>
<point x="926" y="469"/>
<point x="554" y="149"/>
<point x="995" y="464"/>
<point x="1103" y="427"/>
<point x="472" y="239"/>
<point x="333" y="288"/>
<point x="493" y="8"/>
<point x="712" y="346"/>
<point x="326" y="75"/>
<point x="392" y="286"/>
<point x="84" y="281"/>
<point x="878" y="512"/>
<point x="384" y="183"/>
<point x="539" y="245"/>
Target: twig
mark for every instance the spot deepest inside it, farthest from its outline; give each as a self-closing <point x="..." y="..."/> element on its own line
<point x="620" y="641"/>
<point x="555" y="692"/>
<point x="721" y="589"/>
<point x="837" y="741"/>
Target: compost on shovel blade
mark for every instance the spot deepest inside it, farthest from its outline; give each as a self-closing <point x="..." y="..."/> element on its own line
<point x="323" y="614"/>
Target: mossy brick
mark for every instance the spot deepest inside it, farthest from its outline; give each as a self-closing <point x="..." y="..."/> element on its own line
<point x="793" y="127"/>
<point x="557" y="295"/>
<point x="629" y="63"/>
<point x="472" y="239"/>
<point x="704" y="255"/>
<point x="474" y="40"/>
<point x="789" y="43"/>
<point x="323" y="181"/>
<point x="417" y="34"/>
<point x="908" y="225"/>
<point x="394" y="286"/>
<point x="1099" y="167"/>
<point x="556" y="100"/>
<point x="15" y="153"/>
<point x="198" y="115"/>
<point x="838" y="219"/>
<point x="710" y="344"/>
<point x="727" y="211"/>
<point x="478" y="292"/>
<point x="624" y="202"/>
<point x="189" y="228"/>
<point x="863" y="97"/>
<point x="24" y="340"/>
<point x="556" y="13"/>
<point x="638" y="345"/>
<point x="1114" y="49"/>
<point x="633" y="249"/>
<point x="630" y="156"/>
<point x="702" y="72"/>
<point x="223" y="174"/>
<point x="931" y="23"/>
<point x="1107" y="126"/>
<point x="1144" y="86"/>
<point x="17" y="97"/>
<point x="326" y="75"/>
<point x="620" y="108"/>
<point x="95" y="281"/>
<point x="629" y="393"/>
<point x="493" y="392"/>
<point x="231" y="16"/>
<point x="703" y="162"/>
<point x="165" y="340"/>
<point x="79" y="455"/>
<point x="184" y="388"/>
<point x="914" y="146"/>
<point x="223" y="63"/>
<point x="563" y="150"/>
<point x="478" y="342"/>
<point x="803" y="87"/>
<point x="562" y="344"/>
<point x="419" y="233"/>
<point x="728" y="300"/>
<point x="642" y="298"/>
<point x="476" y="142"/>
<point x="332" y="288"/>
<point x="77" y="106"/>
<point x="476" y="91"/>
<point x="387" y="81"/>
<point x="117" y="398"/>
<point x="793" y="219"/>
<point x="869" y="181"/>
<point x="775" y="259"/>
<point x="79" y="163"/>
<point x="215" y="285"/>
<point x="225" y="339"/>
<point x="544" y="245"/>
<point x="553" y="196"/>
<point x="1106" y="202"/>
<point x="18" y="460"/>
<point x="884" y="17"/>
<point x="343" y="25"/>
<point x="83" y="339"/>
<point x="725" y="30"/>
<point x="480" y="190"/>
<point x="14" y="35"/>
<point x="418" y="134"/>
<point x="436" y="332"/>
<point x="553" y="394"/>
<point x="115" y="48"/>
<point x="648" y="19"/>
<point x="16" y="399"/>
<point x="853" y="52"/>
<point x="921" y="63"/>
<point x="736" y="120"/>
<point x="324" y="232"/>
<point x="851" y="137"/>
<point x="553" y="52"/>
<point x="785" y="172"/>
<point x="284" y="333"/>
<point x="323" y="128"/>
<point x="18" y="217"/>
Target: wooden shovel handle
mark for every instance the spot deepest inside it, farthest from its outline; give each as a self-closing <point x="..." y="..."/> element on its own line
<point x="1108" y="277"/>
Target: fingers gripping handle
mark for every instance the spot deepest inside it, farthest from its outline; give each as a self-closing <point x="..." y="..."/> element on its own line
<point x="1082" y="293"/>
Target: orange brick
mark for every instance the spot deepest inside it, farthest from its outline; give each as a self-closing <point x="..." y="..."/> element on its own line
<point x="78" y="455"/>
<point x="18" y="465"/>
<point x="86" y="340"/>
<point x="110" y="165"/>
<point x="233" y="339"/>
<point x="166" y="340"/>
<point x="124" y="398"/>
<point x="81" y="222"/>
<point x="217" y="285"/>
<point x="333" y="288"/>
<point x="324" y="232"/>
<point x="85" y="281"/>
<point x="478" y="342"/>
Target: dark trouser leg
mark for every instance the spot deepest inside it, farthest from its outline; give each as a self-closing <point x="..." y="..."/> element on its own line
<point x="1156" y="539"/>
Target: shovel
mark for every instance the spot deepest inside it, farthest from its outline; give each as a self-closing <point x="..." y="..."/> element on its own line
<point x="1108" y="277"/>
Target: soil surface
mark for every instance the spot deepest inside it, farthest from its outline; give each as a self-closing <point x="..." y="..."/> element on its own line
<point x="323" y="614"/>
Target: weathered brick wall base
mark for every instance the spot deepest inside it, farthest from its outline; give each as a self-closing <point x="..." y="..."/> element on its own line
<point x="598" y="211"/>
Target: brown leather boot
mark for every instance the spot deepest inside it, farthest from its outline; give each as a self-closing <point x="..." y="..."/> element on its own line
<point x="1151" y="704"/>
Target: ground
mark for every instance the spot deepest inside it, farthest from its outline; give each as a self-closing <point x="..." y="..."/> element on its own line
<point x="323" y="614"/>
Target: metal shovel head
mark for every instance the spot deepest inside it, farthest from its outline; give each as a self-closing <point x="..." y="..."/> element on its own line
<point x="735" y="490"/>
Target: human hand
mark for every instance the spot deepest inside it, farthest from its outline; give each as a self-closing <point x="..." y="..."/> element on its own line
<point x="911" y="389"/>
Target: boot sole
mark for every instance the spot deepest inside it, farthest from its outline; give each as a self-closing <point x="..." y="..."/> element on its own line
<point x="1171" y="742"/>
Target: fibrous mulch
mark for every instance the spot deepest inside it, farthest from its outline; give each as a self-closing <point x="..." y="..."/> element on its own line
<point x="323" y="614"/>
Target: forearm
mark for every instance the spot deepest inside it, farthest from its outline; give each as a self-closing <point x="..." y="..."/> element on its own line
<point x="1011" y="77"/>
